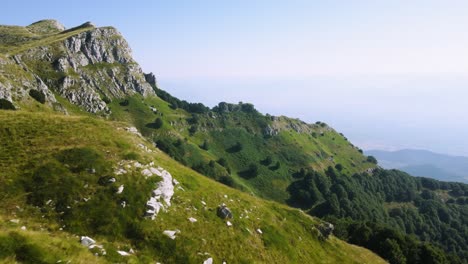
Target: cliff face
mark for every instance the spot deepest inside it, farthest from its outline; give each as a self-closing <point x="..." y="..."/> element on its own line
<point x="86" y="65"/>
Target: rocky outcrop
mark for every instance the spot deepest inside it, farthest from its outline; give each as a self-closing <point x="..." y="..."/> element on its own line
<point x="88" y="68"/>
<point x="151" y="79"/>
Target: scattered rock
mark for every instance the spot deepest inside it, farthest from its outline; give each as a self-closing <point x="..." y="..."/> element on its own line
<point x="224" y="212"/>
<point x="208" y="261"/>
<point x="146" y="172"/>
<point x="23" y="228"/>
<point x="87" y="241"/>
<point x="326" y="229"/>
<point x="163" y="193"/>
<point x="133" y="130"/>
<point x="123" y="253"/>
<point x="120" y="190"/>
<point x="171" y="234"/>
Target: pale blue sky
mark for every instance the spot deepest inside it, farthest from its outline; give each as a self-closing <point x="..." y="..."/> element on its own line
<point x="389" y="74"/>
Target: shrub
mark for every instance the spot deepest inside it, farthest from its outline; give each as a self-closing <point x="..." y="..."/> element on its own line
<point x="205" y="145"/>
<point x="372" y="159"/>
<point x="339" y="167"/>
<point x="236" y="148"/>
<point x="227" y="180"/>
<point x="124" y="103"/>
<point x="106" y="100"/>
<point x="223" y="162"/>
<point x="6" y="105"/>
<point x="251" y="172"/>
<point x="37" y="95"/>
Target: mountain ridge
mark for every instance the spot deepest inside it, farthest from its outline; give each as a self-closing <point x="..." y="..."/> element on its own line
<point x="76" y="175"/>
<point x="115" y="123"/>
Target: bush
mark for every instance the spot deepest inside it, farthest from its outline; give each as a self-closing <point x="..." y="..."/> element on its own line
<point x="372" y="159"/>
<point x="236" y="148"/>
<point x="251" y="172"/>
<point x="106" y="100"/>
<point x="339" y="167"/>
<point x="125" y="102"/>
<point x="16" y="245"/>
<point x="227" y="180"/>
<point x="37" y="95"/>
<point x="205" y="145"/>
<point x="6" y="105"/>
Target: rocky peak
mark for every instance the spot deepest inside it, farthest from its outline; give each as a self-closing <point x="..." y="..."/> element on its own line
<point x="94" y="65"/>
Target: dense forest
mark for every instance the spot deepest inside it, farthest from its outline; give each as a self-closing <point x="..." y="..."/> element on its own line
<point x="379" y="211"/>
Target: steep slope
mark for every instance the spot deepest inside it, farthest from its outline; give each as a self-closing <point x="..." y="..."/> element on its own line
<point x="70" y="161"/>
<point x="93" y="177"/>
<point x="85" y="64"/>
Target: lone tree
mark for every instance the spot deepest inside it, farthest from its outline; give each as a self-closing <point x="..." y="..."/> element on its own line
<point x="158" y="123"/>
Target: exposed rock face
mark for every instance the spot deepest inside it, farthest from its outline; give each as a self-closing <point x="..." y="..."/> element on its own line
<point x="88" y="68"/>
<point x="151" y="79"/>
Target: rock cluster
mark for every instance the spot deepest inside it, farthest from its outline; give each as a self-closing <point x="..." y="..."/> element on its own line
<point x="96" y="65"/>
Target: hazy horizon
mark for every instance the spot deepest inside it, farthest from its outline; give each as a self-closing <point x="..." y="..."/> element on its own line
<point x="368" y="112"/>
<point x="388" y="74"/>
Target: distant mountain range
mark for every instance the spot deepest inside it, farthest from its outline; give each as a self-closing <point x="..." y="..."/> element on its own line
<point x="424" y="163"/>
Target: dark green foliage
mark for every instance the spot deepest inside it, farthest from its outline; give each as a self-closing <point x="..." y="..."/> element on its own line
<point x="235" y="148"/>
<point x="242" y="107"/>
<point x="176" y="103"/>
<point x="106" y="100"/>
<point x="6" y="105"/>
<point x="125" y="102"/>
<point x="339" y="167"/>
<point x="15" y="245"/>
<point x="175" y="149"/>
<point x="250" y="172"/>
<point x="205" y="145"/>
<point x="362" y="198"/>
<point x="158" y="123"/>
<point x="371" y="159"/>
<point x="223" y="162"/>
<point x="52" y="181"/>
<point x="37" y="95"/>
<point x="267" y="161"/>
<point x="192" y="130"/>
<point x="276" y="166"/>
<point x="227" y="180"/>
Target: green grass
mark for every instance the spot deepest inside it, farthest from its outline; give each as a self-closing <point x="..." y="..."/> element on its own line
<point x="31" y="139"/>
<point x="293" y="150"/>
<point x="18" y="39"/>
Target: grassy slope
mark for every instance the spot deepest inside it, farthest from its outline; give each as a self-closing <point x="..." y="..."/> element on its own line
<point x="29" y="138"/>
<point x="292" y="149"/>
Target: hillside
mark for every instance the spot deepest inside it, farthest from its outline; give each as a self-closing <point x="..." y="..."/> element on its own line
<point x="69" y="159"/>
<point x="93" y="136"/>
<point x="67" y="174"/>
<point x="424" y="163"/>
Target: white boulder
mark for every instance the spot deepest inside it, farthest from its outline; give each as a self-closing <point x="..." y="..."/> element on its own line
<point x="87" y="241"/>
<point x="208" y="261"/>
